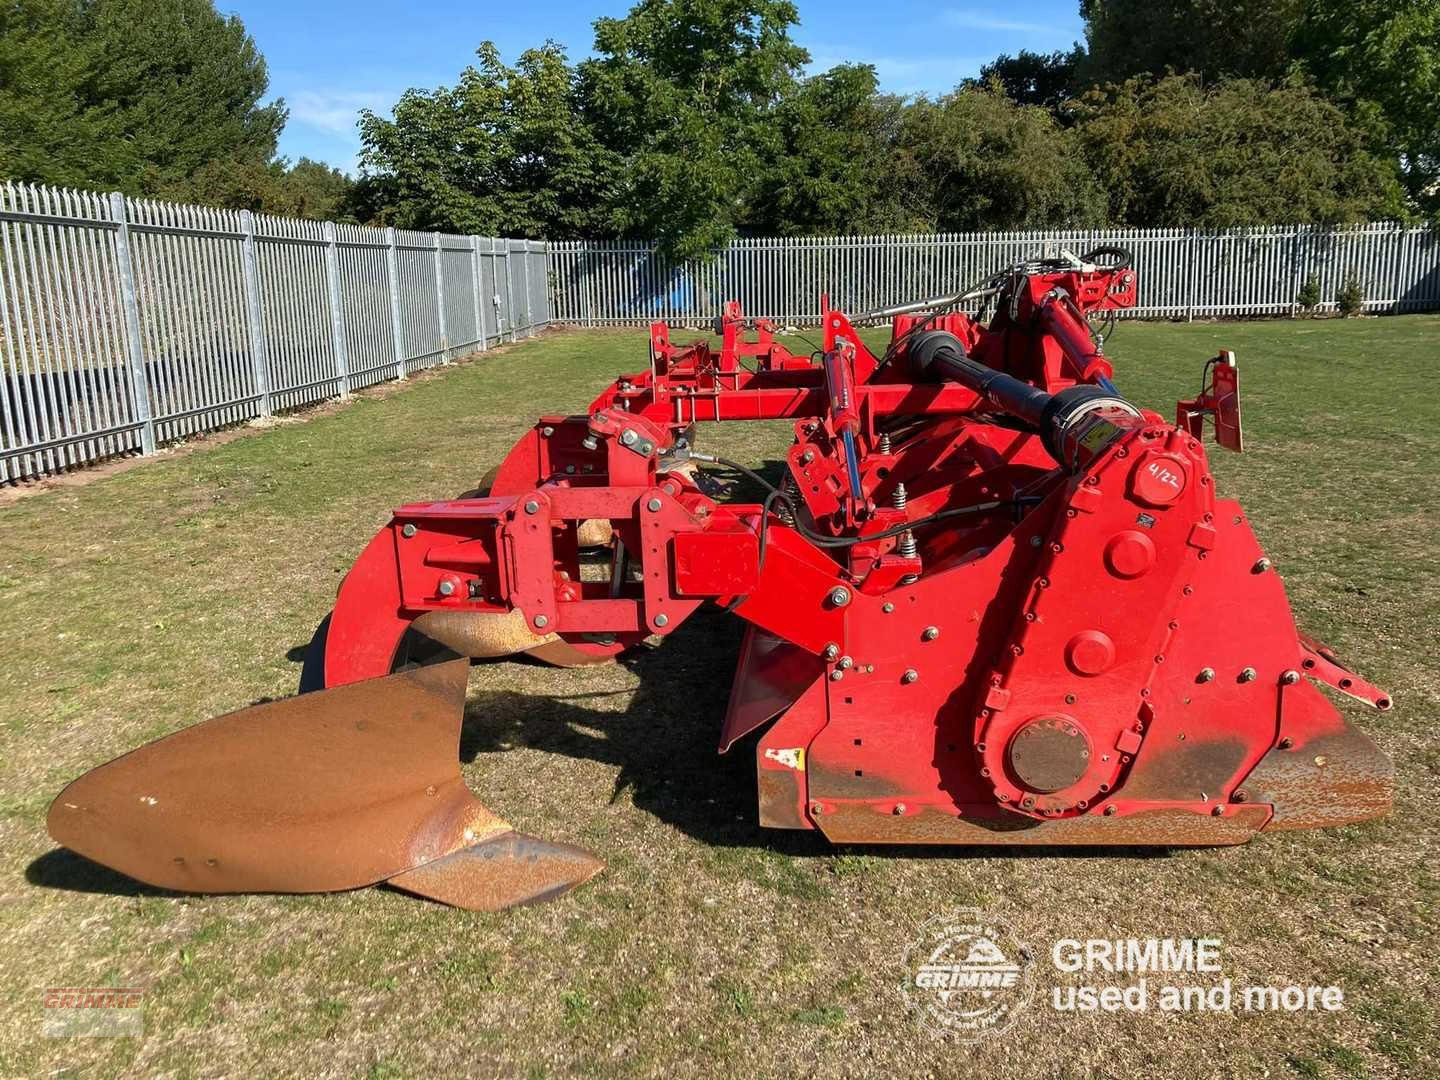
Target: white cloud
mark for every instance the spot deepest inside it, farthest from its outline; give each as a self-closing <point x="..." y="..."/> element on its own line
<point x="337" y="112"/>
<point x="975" y="20"/>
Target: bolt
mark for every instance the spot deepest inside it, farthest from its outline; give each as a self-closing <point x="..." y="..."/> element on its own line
<point x="831" y="651"/>
<point x="653" y="505"/>
<point x="887" y="607"/>
<point x="840" y="596"/>
<point x="628" y="437"/>
<point x="662" y="619"/>
<point x="817" y="809"/>
<point x="669" y="489"/>
<point x="1290" y="678"/>
<point x="807" y="457"/>
<point x="589" y="442"/>
<point x="1241" y="795"/>
<point x="407" y="531"/>
<point x="1069" y="699"/>
<point x="910" y="676"/>
<point x="541" y="621"/>
<point x="930" y="633"/>
<point x="899" y="497"/>
<point x="1286" y="743"/>
<point x="899" y="810"/>
<point x="1035" y="541"/>
<point x="836" y="675"/>
<point x="569" y="470"/>
<point x="646" y="447"/>
<point x="1247" y="674"/>
<point x="846" y="663"/>
<point x="447" y="587"/>
<point x="532" y="507"/>
<point x="1261" y="565"/>
<point x="1206" y="674"/>
<point x="547" y="431"/>
<point x="1217" y="811"/>
<point x="1110" y="810"/>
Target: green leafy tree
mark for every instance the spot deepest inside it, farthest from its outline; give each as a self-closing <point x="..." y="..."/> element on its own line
<point x="505" y="151"/>
<point x="139" y="95"/>
<point x="978" y="160"/>
<point x="1383" y="60"/>
<point x="683" y="92"/>
<point x="1178" y="153"/>
<point x="834" y="170"/>
<point x="1210" y="38"/>
<point x="1047" y="80"/>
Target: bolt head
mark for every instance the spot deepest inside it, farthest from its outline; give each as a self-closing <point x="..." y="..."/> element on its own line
<point x="541" y="621"/>
<point x="1217" y="811"/>
<point x="910" y="676"/>
<point x="1110" y="810"/>
<point x="899" y="810"/>
<point x="590" y="442"/>
<point x="1261" y="565"/>
<point x="653" y="505"/>
<point x="1206" y="674"/>
<point x="1290" y="678"/>
<point x="1036" y="541"/>
<point x="407" y="531"/>
<point x="532" y="507"/>
<point x="840" y="596"/>
<point x="832" y="651"/>
<point x="930" y="633"/>
<point x="547" y="431"/>
<point x="662" y="619"/>
<point x="447" y="587"/>
<point x="645" y="447"/>
<point x="1247" y="674"/>
<point x="836" y="675"/>
<point x="628" y="437"/>
<point x="887" y="607"/>
<point x="846" y="663"/>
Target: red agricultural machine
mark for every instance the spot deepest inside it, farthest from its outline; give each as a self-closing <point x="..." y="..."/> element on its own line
<point x="989" y="601"/>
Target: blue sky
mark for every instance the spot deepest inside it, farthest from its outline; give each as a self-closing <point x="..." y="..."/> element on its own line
<point x="330" y="59"/>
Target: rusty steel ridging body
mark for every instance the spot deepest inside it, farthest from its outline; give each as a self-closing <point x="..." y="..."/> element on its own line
<point x="989" y="602"/>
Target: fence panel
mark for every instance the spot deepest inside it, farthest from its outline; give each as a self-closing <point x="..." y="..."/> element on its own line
<point x="1184" y="273"/>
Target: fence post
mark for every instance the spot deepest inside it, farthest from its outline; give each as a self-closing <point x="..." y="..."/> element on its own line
<point x="475" y="282"/>
<point x="258" y="359"/>
<point x="525" y="280"/>
<point x="509" y="292"/>
<point x="1190" y="274"/>
<point x="337" y="308"/>
<point x="135" y="348"/>
<point x="440" y="299"/>
<point x="397" y="328"/>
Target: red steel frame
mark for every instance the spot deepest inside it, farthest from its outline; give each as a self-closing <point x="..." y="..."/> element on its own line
<point x="1116" y="601"/>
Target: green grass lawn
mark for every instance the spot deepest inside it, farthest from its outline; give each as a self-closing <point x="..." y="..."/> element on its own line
<point x="159" y="596"/>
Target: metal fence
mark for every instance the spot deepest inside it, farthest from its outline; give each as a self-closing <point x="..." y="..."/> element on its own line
<point x="1184" y="273"/>
<point x="126" y="324"/>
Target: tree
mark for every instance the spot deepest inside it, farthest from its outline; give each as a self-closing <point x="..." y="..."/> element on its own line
<point x="1210" y="38"/>
<point x="139" y="95"/>
<point x="1046" y="80"/>
<point x="683" y="92"/>
<point x="834" y="170"/>
<point x="1178" y="153"/>
<point x="1382" y="59"/>
<point x="978" y="160"/>
<point x="503" y="152"/>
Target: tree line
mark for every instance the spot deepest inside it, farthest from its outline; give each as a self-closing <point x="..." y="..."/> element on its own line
<point x="694" y="121"/>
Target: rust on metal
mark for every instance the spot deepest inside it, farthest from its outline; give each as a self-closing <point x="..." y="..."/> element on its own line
<point x="505" y="871"/>
<point x="1328" y="780"/>
<point x="326" y="791"/>
<point x="1049" y="754"/>
<point x="860" y="823"/>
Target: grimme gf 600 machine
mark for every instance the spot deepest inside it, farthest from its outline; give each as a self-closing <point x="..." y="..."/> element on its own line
<point x="990" y="601"/>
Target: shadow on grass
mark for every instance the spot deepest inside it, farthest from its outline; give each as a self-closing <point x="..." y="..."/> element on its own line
<point x="665" y="748"/>
<point x="63" y="869"/>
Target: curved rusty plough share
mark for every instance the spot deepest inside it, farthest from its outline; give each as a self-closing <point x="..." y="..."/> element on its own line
<point x="991" y="602"/>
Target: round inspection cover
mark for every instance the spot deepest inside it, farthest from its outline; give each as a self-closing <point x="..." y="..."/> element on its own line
<point x="1049" y="753"/>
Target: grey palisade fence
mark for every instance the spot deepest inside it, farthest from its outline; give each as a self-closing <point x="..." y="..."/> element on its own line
<point x="126" y="324"/>
<point x="1184" y="273"/>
